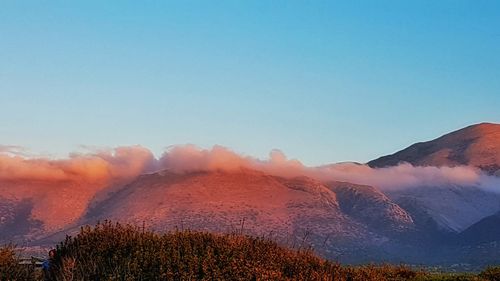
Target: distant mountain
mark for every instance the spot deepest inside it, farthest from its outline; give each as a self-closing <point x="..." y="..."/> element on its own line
<point x="448" y="208"/>
<point x="370" y="206"/>
<point x="260" y="204"/>
<point x="342" y="221"/>
<point x="484" y="231"/>
<point x="478" y="245"/>
<point x="220" y="201"/>
<point x="476" y="145"/>
<point x="29" y="210"/>
<point x="435" y="224"/>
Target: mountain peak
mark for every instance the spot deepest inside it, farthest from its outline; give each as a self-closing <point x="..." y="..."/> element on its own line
<point x="479" y="129"/>
<point x="476" y="145"/>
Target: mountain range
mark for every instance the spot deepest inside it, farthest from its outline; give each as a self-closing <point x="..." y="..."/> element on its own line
<point x="441" y="223"/>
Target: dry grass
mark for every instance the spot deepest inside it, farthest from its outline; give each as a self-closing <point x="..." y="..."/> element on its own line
<point x="122" y="252"/>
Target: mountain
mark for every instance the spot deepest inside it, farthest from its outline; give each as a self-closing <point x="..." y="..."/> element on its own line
<point x="427" y="223"/>
<point x="476" y="145"/>
<point x="31" y="209"/>
<point x="448" y="208"/>
<point x="370" y="206"/>
<point x="484" y="231"/>
<point x="220" y="201"/>
<point x="256" y="203"/>
<point x="478" y="245"/>
<point x="342" y="221"/>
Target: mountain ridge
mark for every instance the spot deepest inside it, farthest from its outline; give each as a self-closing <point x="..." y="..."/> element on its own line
<point x="476" y="145"/>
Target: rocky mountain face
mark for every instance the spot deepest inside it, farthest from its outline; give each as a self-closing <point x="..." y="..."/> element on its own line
<point x="476" y="145"/>
<point x="371" y="207"/>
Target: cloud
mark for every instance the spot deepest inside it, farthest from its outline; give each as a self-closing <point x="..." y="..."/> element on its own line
<point x="13" y="150"/>
<point x="191" y="158"/>
<point x="109" y="165"/>
<point x="404" y="175"/>
<point x="103" y="166"/>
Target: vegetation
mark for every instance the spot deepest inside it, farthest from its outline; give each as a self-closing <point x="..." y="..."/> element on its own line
<point x="10" y="269"/>
<point x="491" y="273"/>
<point x="123" y="252"/>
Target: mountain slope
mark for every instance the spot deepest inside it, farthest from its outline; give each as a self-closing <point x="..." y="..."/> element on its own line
<point x="484" y="231"/>
<point x="371" y="207"/>
<point x="258" y="203"/>
<point x="451" y="208"/>
<point x="343" y="221"/>
<point x="31" y="209"/>
<point x="476" y="145"/>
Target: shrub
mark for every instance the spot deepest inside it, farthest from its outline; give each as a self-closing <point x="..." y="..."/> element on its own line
<point x="11" y="269"/>
<point x="123" y="252"/>
<point x="491" y="273"/>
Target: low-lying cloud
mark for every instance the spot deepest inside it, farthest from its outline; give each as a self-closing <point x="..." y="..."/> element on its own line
<point x="119" y="163"/>
<point x="189" y="158"/>
<point x="127" y="162"/>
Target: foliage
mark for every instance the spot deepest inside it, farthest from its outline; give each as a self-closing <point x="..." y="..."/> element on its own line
<point x="10" y="269"/>
<point x="123" y="252"/>
<point x="491" y="273"/>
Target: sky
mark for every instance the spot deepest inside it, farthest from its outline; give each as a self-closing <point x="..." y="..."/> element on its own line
<point x="323" y="81"/>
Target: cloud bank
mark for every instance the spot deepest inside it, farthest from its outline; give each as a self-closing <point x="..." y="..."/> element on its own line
<point x="121" y="163"/>
<point x="189" y="158"/>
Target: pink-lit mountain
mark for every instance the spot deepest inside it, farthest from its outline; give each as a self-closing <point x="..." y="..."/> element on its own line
<point x="422" y="223"/>
<point x="476" y="145"/>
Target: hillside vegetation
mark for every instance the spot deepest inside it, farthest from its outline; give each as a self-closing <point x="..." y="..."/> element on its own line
<point x="122" y="252"/>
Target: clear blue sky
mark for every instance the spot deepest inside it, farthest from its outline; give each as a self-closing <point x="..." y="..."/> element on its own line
<point x="324" y="81"/>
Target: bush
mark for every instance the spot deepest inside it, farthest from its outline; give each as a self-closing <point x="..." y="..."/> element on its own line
<point x="10" y="269"/>
<point x="123" y="252"/>
<point x="491" y="273"/>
